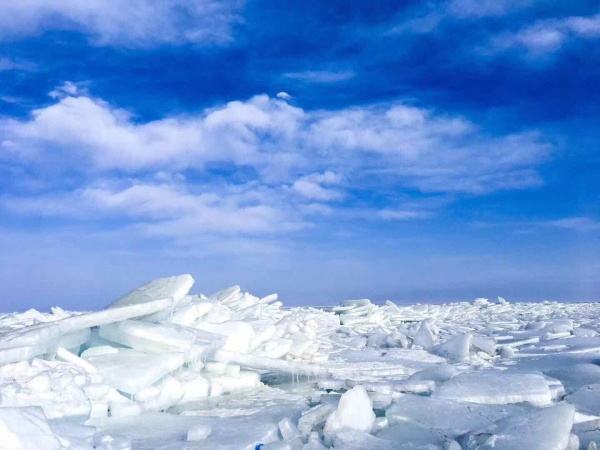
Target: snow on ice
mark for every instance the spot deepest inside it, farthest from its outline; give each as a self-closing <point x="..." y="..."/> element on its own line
<point x="163" y="369"/>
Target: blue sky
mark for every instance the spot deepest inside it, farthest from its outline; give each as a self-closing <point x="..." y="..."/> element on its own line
<point x="418" y="151"/>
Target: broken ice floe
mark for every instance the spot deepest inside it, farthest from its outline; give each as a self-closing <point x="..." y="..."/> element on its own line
<point x="162" y="368"/>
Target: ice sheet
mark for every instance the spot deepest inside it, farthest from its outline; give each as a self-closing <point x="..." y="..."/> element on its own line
<point x="497" y="387"/>
<point x="233" y="370"/>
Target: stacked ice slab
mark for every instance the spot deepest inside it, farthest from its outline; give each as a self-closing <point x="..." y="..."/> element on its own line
<point x="155" y="348"/>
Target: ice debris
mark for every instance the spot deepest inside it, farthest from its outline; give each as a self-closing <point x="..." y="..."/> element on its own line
<point x="163" y="368"/>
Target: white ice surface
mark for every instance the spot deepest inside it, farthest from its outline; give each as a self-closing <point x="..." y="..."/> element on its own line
<point x="165" y="370"/>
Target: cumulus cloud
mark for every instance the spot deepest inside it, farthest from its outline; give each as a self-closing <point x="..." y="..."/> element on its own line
<point x="399" y="143"/>
<point x="124" y="22"/>
<point x="110" y="138"/>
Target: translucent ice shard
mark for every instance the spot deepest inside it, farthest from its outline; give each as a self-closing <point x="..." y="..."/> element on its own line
<point x="174" y="288"/>
<point x="424" y="336"/>
<point x="456" y="348"/>
<point x="130" y="371"/>
<point x="354" y="411"/>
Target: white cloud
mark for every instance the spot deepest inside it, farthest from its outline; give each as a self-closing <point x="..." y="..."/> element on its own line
<point x="110" y="138"/>
<point x="548" y="36"/>
<point x="540" y="38"/>
<point x="430" y="152"/>
<point x="313" y="186"/>
<point x="306" y="165"/>
<point x="396" y="143"/>
<point x="124" y="22"/>
<point x="169" y="209"/>
<point x="587" y="27"/>
<point x="283" y="95"/>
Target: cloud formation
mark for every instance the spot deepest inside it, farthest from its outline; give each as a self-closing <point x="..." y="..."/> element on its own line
<point x="413" y="146"/>
<point x="548" y="36"/>
<point x="131" y="23"/>
<point x="428" y="16"/>
<point x="315" y="186"/>
<point x="301" y="162"/>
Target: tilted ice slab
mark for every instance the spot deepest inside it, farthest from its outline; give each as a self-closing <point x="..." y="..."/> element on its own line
<point x="158" y="295"/>
<point x="130" y="371"/>
<point x="157" y="337"/>
<point x="174" y="288"/>
<point x="497" y="387"/>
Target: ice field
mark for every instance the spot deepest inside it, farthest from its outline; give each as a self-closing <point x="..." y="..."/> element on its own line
<point x="162" y="369"/>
